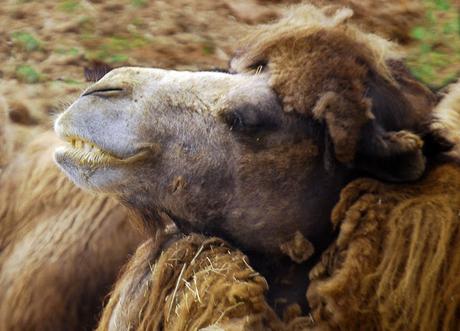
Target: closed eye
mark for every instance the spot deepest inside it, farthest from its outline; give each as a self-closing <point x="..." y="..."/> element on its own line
<point x="104" y="92"/>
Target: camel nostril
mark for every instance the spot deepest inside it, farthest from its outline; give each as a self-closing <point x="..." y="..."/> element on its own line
<point x="104" y="92"/>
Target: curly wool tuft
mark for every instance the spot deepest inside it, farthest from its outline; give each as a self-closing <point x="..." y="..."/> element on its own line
<point x="395" y="264"/>
<point x="195" y="283"/>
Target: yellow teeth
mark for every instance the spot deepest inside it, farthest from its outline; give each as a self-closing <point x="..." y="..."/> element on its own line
<point x="86" y="147"/>
<point x="88" y="153"/>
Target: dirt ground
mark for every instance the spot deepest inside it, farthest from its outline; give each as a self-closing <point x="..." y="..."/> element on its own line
<point x="46" y="44"/>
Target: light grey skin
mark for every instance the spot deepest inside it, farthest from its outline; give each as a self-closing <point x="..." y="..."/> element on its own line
<point x="214" y="151"/>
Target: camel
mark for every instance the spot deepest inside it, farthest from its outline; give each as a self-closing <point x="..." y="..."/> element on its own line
<point x="299" y="157"/>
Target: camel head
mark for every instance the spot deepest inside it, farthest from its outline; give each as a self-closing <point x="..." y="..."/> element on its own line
<point x="258" y="153"/>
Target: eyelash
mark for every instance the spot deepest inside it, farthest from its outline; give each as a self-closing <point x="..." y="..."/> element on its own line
<point x="258" y="66"/>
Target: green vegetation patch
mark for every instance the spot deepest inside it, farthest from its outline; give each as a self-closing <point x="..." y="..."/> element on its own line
<point x="139" y="3"/>
<point x="114" y="49"/>
<point x="26" y="41"/>
<point x="435" y="59"/>
<point x="73" y="51"/>
<point x="69" y="5"/>
<point x="28" y="74"/>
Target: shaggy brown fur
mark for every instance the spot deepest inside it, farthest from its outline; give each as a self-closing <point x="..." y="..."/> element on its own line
<point x="194" y="283"/>
<point x="60" y="248"/>
<point x="447" y="118"/>
<point x="395" y="263"/>
<point x="332" y="52"/>
<point x="352" y="81"/>
<point x="391" y="19"/>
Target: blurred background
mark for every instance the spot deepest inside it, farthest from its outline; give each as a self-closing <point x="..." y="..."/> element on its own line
<point x="47" y="44"/>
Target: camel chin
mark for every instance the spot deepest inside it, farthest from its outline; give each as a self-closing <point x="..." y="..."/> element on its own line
<point x="90" y="167"/>
<point x="85" y="173"/>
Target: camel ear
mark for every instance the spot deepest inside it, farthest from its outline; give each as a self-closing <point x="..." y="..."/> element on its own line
<point x="360" y="142"/>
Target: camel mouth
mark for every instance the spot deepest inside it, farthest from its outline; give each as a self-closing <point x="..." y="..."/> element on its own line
<point x="87" y="153"/>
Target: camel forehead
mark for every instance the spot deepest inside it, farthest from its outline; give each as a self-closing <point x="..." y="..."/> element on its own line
<point x="202" y="91"/>
<point x="138" y="75"/>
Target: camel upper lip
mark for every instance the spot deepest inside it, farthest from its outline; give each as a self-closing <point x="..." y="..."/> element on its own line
<point x="87" y="151"/>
